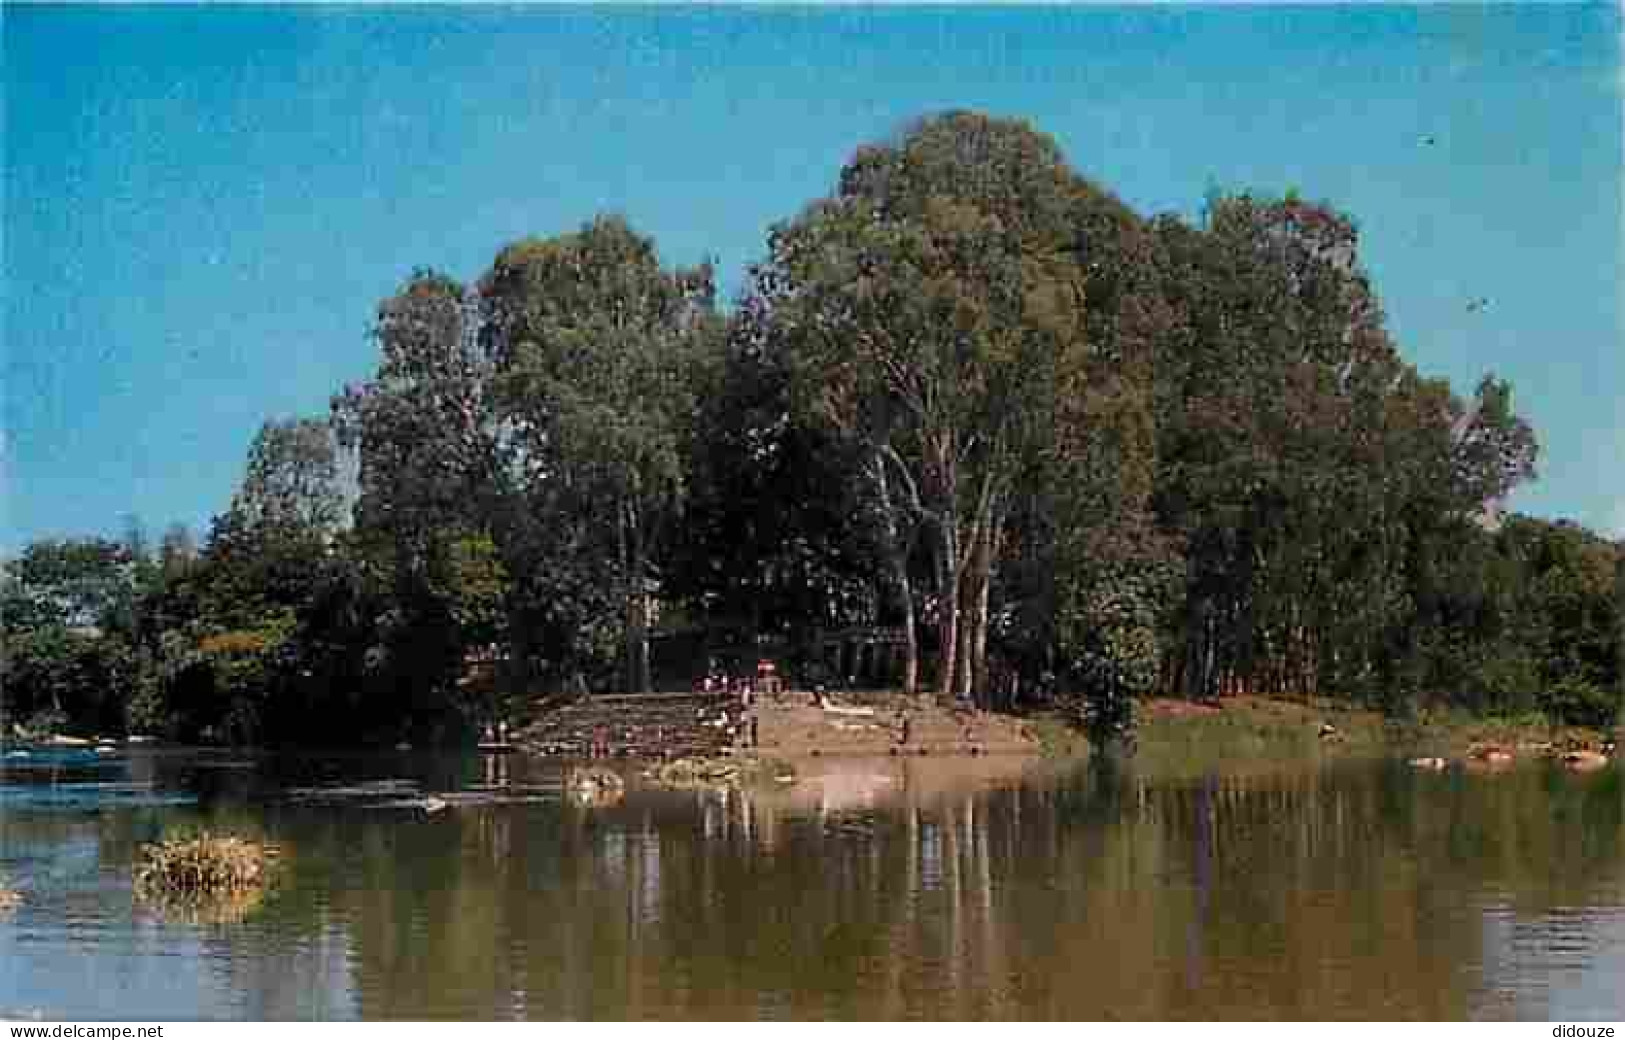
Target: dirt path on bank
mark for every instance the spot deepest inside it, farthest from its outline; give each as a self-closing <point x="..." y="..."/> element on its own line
<point x="796" y="726"/>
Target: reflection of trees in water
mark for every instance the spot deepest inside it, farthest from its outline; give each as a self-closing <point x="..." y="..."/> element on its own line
<point x="1318" y="894"/>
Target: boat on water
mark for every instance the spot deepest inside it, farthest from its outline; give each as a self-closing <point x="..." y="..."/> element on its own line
<point x="48" y="756"/>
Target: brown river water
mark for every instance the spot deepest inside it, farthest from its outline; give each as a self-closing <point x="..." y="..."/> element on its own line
<point x="871" y="890"/>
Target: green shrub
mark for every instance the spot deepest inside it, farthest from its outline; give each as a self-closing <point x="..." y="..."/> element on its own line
<point x="1580" y="702"/>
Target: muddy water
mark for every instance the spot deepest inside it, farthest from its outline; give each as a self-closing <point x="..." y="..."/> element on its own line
<point x="864" y="890"/>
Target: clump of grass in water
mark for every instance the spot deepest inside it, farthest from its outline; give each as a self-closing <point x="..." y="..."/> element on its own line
<point x="205" y="878"/>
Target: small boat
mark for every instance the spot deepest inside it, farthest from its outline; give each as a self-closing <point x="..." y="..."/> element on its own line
<point x="54" y="757"/>
<point x="1435" y="763"/>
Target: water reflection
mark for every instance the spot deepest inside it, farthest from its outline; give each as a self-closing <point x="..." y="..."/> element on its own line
<point x="890" y="889"/>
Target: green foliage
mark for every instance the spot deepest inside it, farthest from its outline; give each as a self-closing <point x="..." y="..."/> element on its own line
<point x="1113" y="617"/>
<point x="603" y="355"/>
<point x="290" y="488"/>
<point x="69" y="609"/>
<point x="1577" y="701"/>
<point x="776" y="527"/>
<point x="1099" y="456"/>
<point x="79" y="583"/>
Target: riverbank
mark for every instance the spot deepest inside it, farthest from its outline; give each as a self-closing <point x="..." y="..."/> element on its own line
<point x="795" y="724"/>
<point x="1173" y="734"/>
<point x="1176" y="735"/>
<point x="801" y="725"/>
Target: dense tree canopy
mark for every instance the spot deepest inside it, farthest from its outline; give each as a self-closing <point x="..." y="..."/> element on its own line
<point x="1057" y="452"/>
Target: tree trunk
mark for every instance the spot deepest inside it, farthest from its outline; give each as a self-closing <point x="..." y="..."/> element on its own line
<point x="967" y="639"/>
<point x="897" y="552"/>
<point x="638" y="678"/>
<point x="973" y="643"/>
<point x="948" y="604"/>
<point x="976" y="672"/>
<point x="911" y="634"/>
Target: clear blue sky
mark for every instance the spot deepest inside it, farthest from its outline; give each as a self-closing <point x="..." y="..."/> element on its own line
<point x="203" y="205"/>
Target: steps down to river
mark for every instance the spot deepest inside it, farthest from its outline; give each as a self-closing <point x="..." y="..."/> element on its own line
<point x="790" y="725"/>
<point x="639" y="725"/>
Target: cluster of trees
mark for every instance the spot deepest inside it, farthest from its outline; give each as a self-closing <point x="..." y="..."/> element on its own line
<point x="1066" y="452"/>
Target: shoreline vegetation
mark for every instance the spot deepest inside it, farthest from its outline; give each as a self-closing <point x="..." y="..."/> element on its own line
<point x="974" y="429"/>
<point x="1248" y="728"/>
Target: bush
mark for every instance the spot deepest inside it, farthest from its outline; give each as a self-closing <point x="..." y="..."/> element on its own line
<point x="1507" y="683"/>
<point x="1580" y="702"/>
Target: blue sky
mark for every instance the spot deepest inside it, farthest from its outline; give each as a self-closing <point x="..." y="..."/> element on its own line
<point x="203" y="205"/>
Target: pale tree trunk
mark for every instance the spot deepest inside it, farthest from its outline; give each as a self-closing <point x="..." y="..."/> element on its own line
<point x="965" y="680"/>
<point x="948" y="604"/>
<point x="950" y="567"/>
<point x="911" y="635"/>
<point x="967" y="640"/>
<point x="976" y="664"/>
<point x="974" y="578"/>
<point x="897" y="552"/>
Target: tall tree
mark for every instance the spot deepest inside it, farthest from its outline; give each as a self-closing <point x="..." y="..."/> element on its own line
<point x="1306" y="466"/>
<point x="436" y="469"/>
<point x="605" y="353"/>
<point x="924" y="305"/>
